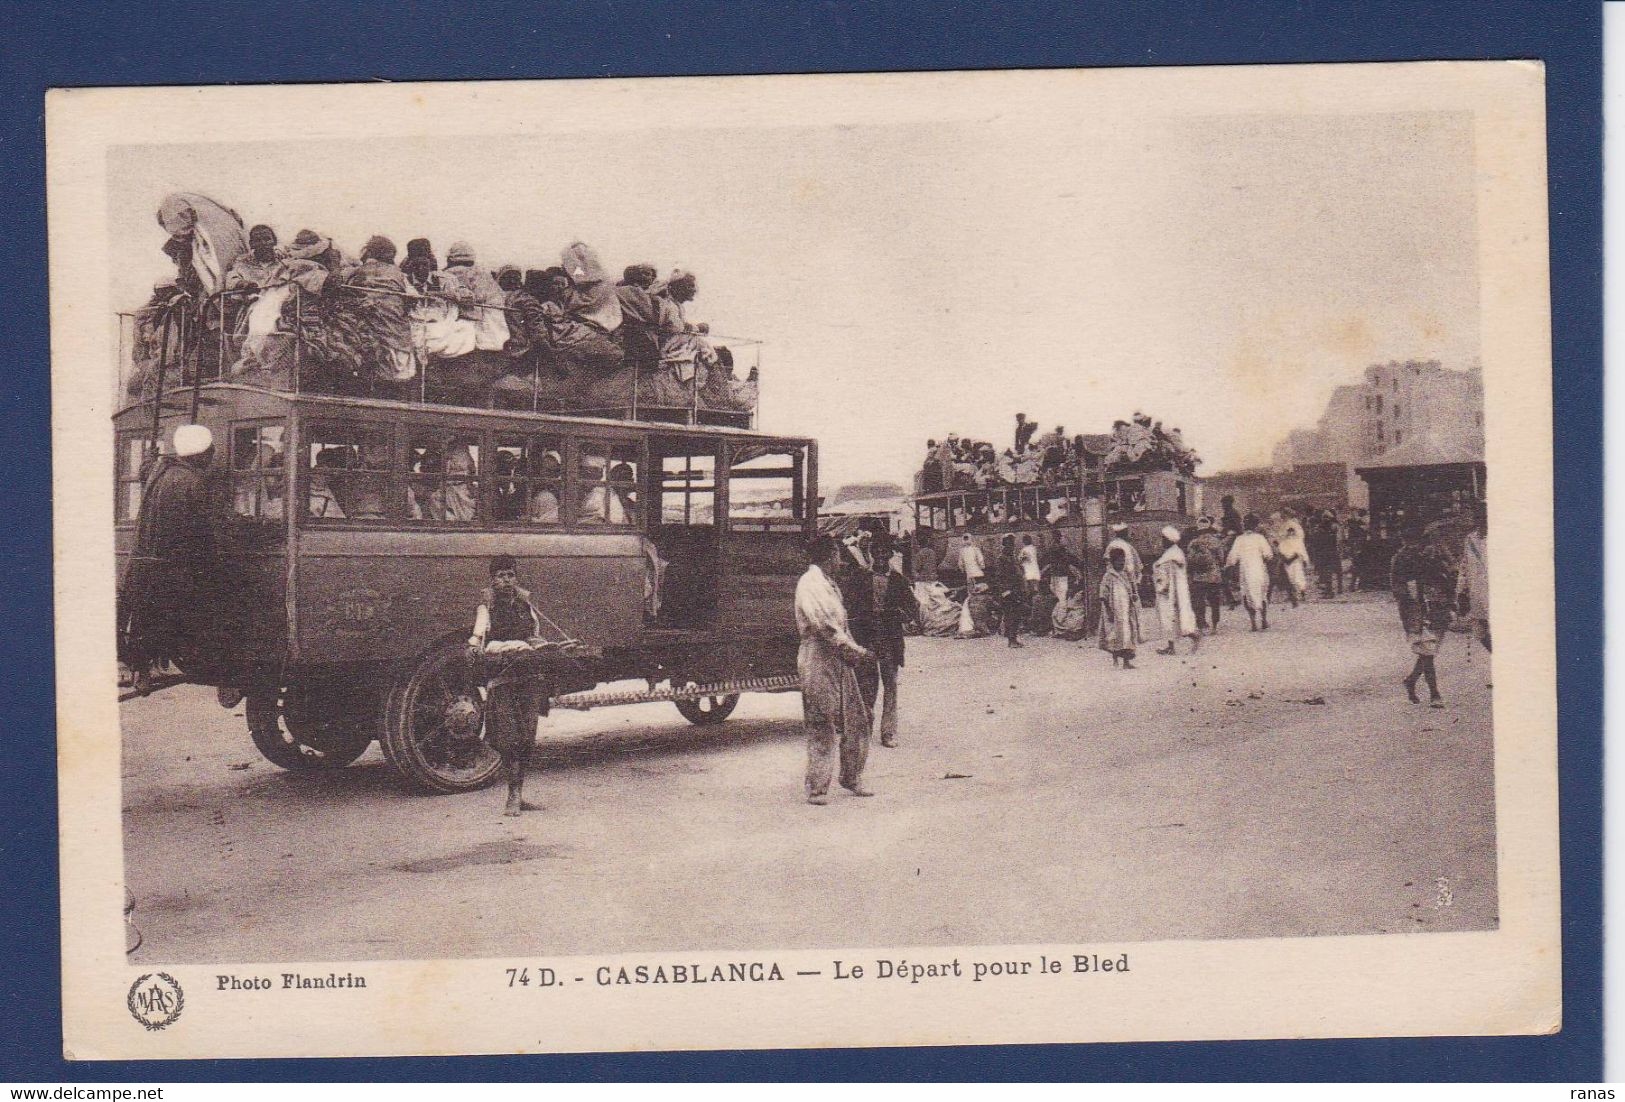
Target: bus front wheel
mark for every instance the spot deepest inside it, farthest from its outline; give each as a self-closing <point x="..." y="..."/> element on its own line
<point x="433" y="723"/>
<point x="708" y="709"/>
<point x="299" y="731"/>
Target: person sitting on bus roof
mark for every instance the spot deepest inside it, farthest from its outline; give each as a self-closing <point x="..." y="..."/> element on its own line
<point x="439" y="331"/>
<point x="640" y="317"/>
<point x="154" y="341"/>
<point x="527" y="334"/>
<point x="574" y="341"/>
<point x="592" y="314"/>
<point x="478" y="297"/>
<point x="310" y="245"/>
<point x="259" y="266"/>
<point x="684" y="348"/>
<point x="420" y="266"/>
<point x="724" y="390"/>
<point x="525" y="324"/>
<point x="382" y="334"/>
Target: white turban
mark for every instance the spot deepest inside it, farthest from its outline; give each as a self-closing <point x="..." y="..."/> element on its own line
<point x="192" y="440"/>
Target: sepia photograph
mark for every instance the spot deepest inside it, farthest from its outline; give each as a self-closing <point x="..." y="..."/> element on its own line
<point x="970" y="531"/>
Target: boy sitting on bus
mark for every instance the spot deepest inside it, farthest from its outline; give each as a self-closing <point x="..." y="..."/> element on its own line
<point x="517" y="691"/>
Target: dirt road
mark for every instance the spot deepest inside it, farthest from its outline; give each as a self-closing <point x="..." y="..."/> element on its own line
<point x="1274" y="784"/>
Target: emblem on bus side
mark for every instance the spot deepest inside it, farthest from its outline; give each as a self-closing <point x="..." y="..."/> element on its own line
<point x="358" y="609"/>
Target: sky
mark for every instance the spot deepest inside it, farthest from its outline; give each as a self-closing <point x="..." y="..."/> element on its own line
<point x="1223" y="274"/>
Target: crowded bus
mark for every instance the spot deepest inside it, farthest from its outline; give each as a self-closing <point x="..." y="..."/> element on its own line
<point x="347" y="486"/>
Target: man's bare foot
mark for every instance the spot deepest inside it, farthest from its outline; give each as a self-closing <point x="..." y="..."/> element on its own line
<point x="858" y="790"/>
<point x="818" y="801"/>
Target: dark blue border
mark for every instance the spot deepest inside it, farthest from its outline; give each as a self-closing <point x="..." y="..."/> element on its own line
<point x="294" y="40"/>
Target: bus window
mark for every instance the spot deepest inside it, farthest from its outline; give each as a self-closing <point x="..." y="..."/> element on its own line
<point x="688" y="489"/>
<point x="529" y="479"/>
<point x="607" y="483"/>
<point x="349" y="473"/>
<point x="131" y="450"/>
<point x="765" y="487"/>
<point x="258" y="471"/>
<point x="443" y="481"/>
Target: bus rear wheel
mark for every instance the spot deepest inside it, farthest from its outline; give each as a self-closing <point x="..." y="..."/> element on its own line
<point x="300" y="730"/>
<point x="708" y="709"/>
<point x="433" y="724"/>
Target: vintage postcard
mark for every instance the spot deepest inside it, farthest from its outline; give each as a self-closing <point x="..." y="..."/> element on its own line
<point x="892" y="559"/>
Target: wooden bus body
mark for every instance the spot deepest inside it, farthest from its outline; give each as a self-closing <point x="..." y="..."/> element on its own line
<point x="352" y="538"/>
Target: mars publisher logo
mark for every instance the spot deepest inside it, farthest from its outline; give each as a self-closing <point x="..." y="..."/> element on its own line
<point x="156" y="1000"/>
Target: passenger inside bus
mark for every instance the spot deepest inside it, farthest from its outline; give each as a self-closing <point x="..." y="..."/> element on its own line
<point x="324" y="502"/>
<point x="601" y="502"/>
<point x="548" y="480"/>
<point x="445" y="485"/>
<point x="257" y="489"/>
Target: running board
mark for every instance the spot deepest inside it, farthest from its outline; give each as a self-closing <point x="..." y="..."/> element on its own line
<point x="787" y="683"/>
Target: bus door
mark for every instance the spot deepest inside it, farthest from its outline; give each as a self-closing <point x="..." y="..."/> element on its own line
<point x="770" y="517"/>
<point x="682" y="524"/>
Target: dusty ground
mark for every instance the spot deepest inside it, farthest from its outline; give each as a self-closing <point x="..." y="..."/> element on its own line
<point x="1194" y="797"/>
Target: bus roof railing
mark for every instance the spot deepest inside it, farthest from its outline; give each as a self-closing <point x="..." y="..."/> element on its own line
<point x="201" y="341"/>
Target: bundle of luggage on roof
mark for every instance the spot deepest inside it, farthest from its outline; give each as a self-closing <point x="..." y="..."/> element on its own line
<point x="1137" y="445"/>
<point x="245" y="307"/>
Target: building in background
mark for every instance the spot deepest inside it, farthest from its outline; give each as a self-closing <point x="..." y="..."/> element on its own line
<point x="1420" y="409"/>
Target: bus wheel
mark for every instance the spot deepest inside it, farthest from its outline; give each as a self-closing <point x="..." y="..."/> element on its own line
<point x="708" y="709"/>
<point x="293" y="733"/>
<point x="433" y="722"/>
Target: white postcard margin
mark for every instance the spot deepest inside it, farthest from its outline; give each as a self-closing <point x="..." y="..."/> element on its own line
<point x="1502" y="982"/>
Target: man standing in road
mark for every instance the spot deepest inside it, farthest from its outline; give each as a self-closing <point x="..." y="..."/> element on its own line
<point x="1132" y="567"/>
<point x="517" y="694"/>
<point x="891" y="607"/>
<point x="1205" y="560"/>
<point x="1250" y="555"/>
<point x="832" y="707"/>
<point x="1031" y="574"/>
<point x="1325" y="554"/>
<point x="1174" y="593"/>
<point x="1058" y="566"/>
<point x="1011" y="589"/>
<point x="971" y="563"/>
<point x="1119" y="611"/>
<point x="1473" y="583"/>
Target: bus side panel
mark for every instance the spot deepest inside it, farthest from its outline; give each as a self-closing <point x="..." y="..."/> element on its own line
<point x="757" y="582"/>
<point x="385" y="596"/>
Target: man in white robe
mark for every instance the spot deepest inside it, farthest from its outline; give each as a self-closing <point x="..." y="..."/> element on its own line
<point x="832" y="706"/>
<point x="1250" y="556"/>
<point x="1473" y="582"/>
<point x="1172" y="579"/>
<point x="1294" y="553"/>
